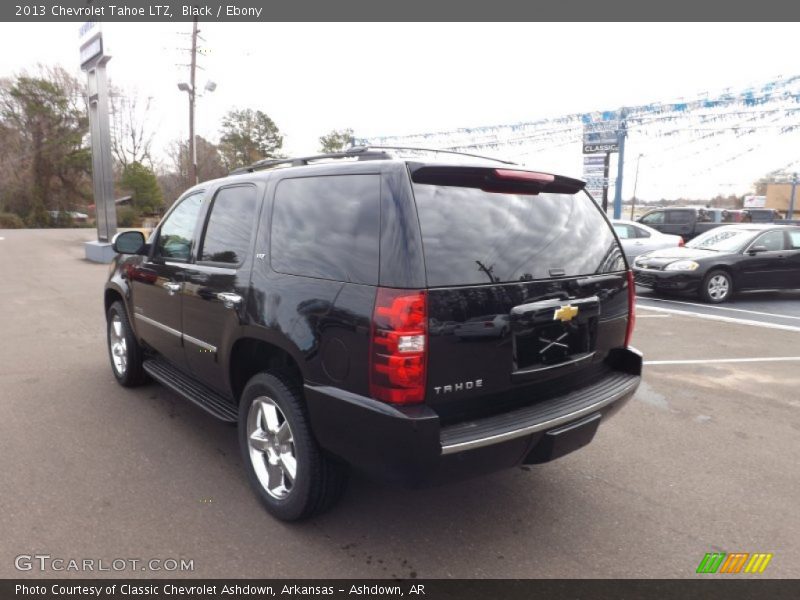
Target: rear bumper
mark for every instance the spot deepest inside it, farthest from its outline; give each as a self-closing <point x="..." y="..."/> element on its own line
<point x="407" y="445"/>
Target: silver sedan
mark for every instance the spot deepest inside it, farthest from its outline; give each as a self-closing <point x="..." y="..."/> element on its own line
<point x="637" y="238"/>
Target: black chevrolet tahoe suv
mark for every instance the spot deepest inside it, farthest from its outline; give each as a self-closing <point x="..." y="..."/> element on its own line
<point x="418" y="319"/>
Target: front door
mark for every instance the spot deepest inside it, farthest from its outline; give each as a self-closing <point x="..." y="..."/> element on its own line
<point x="767" y="269"/>
<point x="793" y="258"/>
<point x="216" y="284"/>
<point x="156" y="283"/>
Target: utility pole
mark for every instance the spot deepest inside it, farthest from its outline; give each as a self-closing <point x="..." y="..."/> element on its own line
<point x="192" y="90"/>
<point x="790" y="213"/>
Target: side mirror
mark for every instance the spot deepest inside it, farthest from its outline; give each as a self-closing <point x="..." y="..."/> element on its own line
<point x="756" y="249"/>
<point x="128" y="242"/>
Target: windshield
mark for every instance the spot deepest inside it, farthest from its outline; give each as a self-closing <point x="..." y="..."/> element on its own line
<point x="722" y="239"/>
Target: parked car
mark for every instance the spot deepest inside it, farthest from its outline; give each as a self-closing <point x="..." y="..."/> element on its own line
<point x="761" y="215"/>
<point x="316" y="305"/>
<point x="688" y="222"/>
<point x="484" y="326"/>
<point x="637" y="238"/>
<point x="724" y="260"/>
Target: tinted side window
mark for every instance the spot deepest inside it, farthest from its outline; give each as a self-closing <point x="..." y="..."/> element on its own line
<point x="679" y="216"/>
<point x="327" y="227"/>
<point x="654" y="218"/>
<point x="639" y="232"/>
<point x="772" y="240"/>
<point x="177" y="232"/>
<point x="227" y="237"/>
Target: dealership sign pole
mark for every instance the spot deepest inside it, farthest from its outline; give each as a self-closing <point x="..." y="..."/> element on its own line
<point x="600" y="139"/>
<point x="621" y="135"/>
<point x="93" y="62"/>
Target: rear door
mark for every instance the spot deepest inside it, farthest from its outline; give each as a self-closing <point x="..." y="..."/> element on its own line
<point x="645" y="241"/>
<point x="534" y="283"/>
<point x="680" y="222"/>
<point x="216" y="284"/>
<point x="156" y="282"/>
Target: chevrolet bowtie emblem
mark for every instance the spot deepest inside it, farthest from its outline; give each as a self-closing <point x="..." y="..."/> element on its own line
<point x="565" y="313"/>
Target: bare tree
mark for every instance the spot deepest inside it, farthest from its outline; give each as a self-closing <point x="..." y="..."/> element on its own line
<point x="175" y="177"/>
<point x="131" y="137"/>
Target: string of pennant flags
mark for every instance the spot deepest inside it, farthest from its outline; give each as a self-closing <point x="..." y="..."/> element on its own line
<point x="735" y="129"/>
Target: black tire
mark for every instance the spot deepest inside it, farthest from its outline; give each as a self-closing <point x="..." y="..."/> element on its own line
<point x="133" y="374"/>
<point x="319" y="479"/>
<point x="717" y="287"/>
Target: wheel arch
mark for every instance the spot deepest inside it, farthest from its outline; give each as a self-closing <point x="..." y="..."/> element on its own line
<point x="111" y="295"/>
<point x="723" y="267"/>
<point x="252" y="354"/>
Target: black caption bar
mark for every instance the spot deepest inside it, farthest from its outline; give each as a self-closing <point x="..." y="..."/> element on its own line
<point x="433" y="589"/>
<point x="405" y="10"/>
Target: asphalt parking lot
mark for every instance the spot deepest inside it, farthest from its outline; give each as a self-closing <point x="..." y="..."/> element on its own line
<point x="704" y="458"/>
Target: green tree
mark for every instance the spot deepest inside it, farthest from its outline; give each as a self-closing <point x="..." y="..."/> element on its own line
<point x="336" y="141"/>
<point x="248" y="136"/>
<point x="45" y="118"/>
<point x="142" y="184"/>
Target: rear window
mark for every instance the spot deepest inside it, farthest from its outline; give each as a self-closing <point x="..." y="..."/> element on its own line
<point x="328" y="227"/>
<point x="475" y="237"/>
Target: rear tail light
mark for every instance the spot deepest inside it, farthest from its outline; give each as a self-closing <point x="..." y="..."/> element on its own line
<point x="680" y="242"/>
<point x="631" y="308"/>
<point x="399" y="349"/>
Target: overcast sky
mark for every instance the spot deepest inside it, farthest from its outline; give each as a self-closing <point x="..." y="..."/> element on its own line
<point x="382" y="79"/>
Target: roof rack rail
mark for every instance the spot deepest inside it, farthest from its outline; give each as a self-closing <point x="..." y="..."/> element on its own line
<point x="360" y="153"/>
<point x="367" y="152"/>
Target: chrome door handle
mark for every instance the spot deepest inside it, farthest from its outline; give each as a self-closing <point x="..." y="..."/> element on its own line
<point x="229" y="300"/>
<point x="172" y="288"/>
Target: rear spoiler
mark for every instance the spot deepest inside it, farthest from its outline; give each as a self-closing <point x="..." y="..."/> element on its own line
<point x="489" y="179"/>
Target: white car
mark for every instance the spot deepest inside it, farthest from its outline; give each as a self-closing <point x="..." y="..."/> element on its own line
<point x="482" y="327"/>
<point x="637" y="238"/>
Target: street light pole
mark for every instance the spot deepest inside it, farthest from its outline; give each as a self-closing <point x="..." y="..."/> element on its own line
<point x="635" y="183"/>
<point x="192" y="141"/>
<point x="790" y="213"/>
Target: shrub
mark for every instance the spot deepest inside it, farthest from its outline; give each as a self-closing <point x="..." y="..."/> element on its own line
<point x="11" y="221"/>
<point x="38" y="217"/>
<point x="127" y="216"/>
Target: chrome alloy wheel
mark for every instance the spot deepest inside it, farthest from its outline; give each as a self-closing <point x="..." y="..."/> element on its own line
<point x="118" y="345"/>
<point x="718" y="287"/>
<point x="271" y="445"/>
